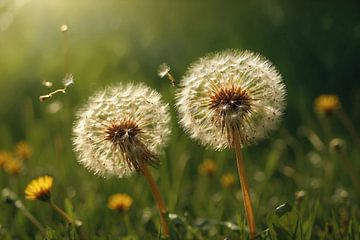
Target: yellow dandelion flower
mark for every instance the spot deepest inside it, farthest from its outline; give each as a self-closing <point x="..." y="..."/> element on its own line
<point x="5" y="156"/>
<point x="120" y="202"/>
<point x="327" y="104"/>
<point x="39" y="188"/>
<point x="208" y="167"/>
<point x="228" y="180"/>
<point x="23" y="150"/>
<point x="13" y="166"/>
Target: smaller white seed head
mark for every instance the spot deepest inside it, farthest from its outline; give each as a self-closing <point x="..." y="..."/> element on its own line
<point x="120" y="128"/>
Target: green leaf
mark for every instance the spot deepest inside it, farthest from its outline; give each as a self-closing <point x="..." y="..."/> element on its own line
<point x="285" y="224"/>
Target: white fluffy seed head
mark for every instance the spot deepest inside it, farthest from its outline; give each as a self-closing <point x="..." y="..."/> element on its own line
<point x="231" y="92"/>
<point x="120" y="128"/>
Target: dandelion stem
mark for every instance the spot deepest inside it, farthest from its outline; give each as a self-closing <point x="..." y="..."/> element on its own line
<point x="158" y="199"/>
<point x="65" y="49"/>
<point x="345" y="120"/>
<point x="32" y="219"/>
<point x="60" y="211"/>
<point x="244" y="187"/>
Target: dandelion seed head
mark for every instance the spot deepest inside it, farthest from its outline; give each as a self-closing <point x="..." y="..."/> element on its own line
<point x="120" y="128"/>
<point x="163" y="70"/>
<point x="231" y="92"/>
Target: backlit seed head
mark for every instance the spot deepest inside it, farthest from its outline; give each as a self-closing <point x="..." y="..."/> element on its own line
<point x="227" y="93"/>
<point x="121" y="128"/>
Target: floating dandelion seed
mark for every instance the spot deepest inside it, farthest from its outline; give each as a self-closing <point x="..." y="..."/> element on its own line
<point x="120" y="202"/>
<point x="39" y="188"/>
<point x="47" y="84"/>
<point x="229" y="99"/>
<point x="121" y="130"/>
<point x="164" y="70"/>
<point x="67" y="81"/>
<point x="63" y="28"/>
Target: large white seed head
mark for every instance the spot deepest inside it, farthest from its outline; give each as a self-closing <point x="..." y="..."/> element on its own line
<point x="120" y="128"/>
<point x="231" y="92"/>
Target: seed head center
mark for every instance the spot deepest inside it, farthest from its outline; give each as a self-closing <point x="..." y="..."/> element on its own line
<point x="232" y="99"/>
<point x="122" y="131"/>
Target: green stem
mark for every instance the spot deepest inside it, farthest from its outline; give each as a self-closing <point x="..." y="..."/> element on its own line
<point x="60" y="211"/>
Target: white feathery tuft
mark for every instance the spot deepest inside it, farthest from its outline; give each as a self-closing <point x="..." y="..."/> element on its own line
<point x="109" y="155"/>
<point x="230" y="72"/>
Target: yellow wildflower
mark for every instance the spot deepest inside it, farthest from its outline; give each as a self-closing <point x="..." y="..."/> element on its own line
<point x="23" y="150"/>
<point x="120" y="202"/>
<point x="4" y="157"/>
<point x="13" y="166"/>
<point x="208" y="167"/>
<point x="228" y="180"/>
<point x="327" y="104"/>
<point x="39" y="188"/>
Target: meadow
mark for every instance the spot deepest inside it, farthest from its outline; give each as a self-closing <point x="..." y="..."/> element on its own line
<point x="304" y="178"/>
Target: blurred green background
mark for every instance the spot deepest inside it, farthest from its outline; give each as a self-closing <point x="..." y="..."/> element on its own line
<point x="314" y="44"/>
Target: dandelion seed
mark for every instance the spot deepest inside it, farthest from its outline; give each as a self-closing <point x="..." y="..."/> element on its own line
<point x="208" y="167"/>
<point x="164" y="70"/>
<point x="120" y="128"/>
<point x="327" y="104"/>
<point x="230" y="99"/>
<point x="39" y="188"/>
<point x="68" y="80"/>
<point x="63" y="28"/>
<point x="47" y="84"/>
<point x="120" y="202"/>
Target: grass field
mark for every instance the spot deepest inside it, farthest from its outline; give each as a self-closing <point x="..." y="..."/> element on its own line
<point x="304" y="179"/>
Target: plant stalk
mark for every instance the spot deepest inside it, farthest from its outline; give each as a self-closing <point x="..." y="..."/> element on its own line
<point x="158" y="199"/>
<point x="60" y="211"/>
<point x="244" y="186"/>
